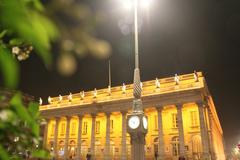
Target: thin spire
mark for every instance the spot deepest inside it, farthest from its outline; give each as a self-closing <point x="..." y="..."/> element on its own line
<point x="109" y="74"/>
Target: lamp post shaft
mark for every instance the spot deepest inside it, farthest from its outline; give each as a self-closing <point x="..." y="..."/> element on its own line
<point x="138" y="134"/>
<point x="136" y="33"/>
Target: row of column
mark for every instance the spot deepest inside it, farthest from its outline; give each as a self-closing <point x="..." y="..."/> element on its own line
<point x="203" y="131"/>
<point x="92" y="144"/>
<point x="205" y="136"/>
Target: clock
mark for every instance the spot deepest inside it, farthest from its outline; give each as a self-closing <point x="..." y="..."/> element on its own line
<point x="134" y="122"/>
<point x="145" y="123"/>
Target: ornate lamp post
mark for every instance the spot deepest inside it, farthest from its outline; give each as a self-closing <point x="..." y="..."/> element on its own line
<point x="137" y="120"/>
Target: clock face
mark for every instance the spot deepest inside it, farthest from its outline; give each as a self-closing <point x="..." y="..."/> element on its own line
<point x="134" y="122"/>
<point x="145" y="123"/>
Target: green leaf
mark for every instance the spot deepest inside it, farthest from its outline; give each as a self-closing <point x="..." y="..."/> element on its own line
<point x="3" y="154"/>
<point x="40" y="154"/>
<point x="9" y="68"/>
<point x="32" y="26"/>
<point x="21" y="111"/>
<point x="35" y="129"/>
<point x="15" y="42"/>
<point x="33" y="109"/>
<point x="3" y="33"/>
<point x="38" y="5"/>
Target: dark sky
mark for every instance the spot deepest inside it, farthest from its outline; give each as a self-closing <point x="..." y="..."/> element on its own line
<point x="178" y="36"/>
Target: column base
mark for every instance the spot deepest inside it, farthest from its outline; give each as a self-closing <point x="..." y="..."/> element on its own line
<point x="161" y="157"/>
<point x="107" y="157"/>
<point x="123" y="157"/>
<point x="206" y="156"/>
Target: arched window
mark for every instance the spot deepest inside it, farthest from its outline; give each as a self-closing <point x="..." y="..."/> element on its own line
<point x="51" y="145"/>
<point x="112" y="148"/>
<point x="84" y="147"/>
<point x="72" y="149"/>
<point x="61" y="148"/>
<point x="175" y="146"/>
<point x="98" y="149"/>
<point x="196" y="146"/>
<point x="155" y="142"/>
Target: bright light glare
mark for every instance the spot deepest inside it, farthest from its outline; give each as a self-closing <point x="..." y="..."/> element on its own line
<point x="128" y="4"/>
<point x="145" y="3"/>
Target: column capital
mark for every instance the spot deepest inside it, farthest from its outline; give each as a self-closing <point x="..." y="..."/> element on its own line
<point x="124" y="112"/>
<point x="108" y="114"/>
<point x="202" y="103"/>
<point x="47" y="120"/>
<point x="57" y="118"/>
<point x="80" y="116"/>
<point x="68" y="118"/>
<point x="159" y="108"/>
<point x="93" y="115"/>
<point x="179" y="105"/>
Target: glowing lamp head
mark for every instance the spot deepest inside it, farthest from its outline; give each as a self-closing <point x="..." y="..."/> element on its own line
<point x="145" y="3"/>
<point x="127" y="4"/>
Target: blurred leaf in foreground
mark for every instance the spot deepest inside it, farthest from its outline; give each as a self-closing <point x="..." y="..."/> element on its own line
<point x="9" y="68"/>
<point x="26" y="21"/>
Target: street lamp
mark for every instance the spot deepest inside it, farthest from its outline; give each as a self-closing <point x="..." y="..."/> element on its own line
<point x="137" y="125"/>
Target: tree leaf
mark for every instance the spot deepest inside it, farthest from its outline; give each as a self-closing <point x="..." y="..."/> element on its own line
<point x="35" y="129"/>
<point x="21" y="111"/>
<point x="33" y="109"/>
<point x="40" y="154"/>
<point x="9" y="68"/>
<point x="3" y="154"/>
<point x="38" y="5"/>
<point x="15" y="42"/>
<point x="3" y="33"/>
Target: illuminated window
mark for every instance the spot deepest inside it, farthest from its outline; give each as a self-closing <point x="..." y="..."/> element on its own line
<point x="73" y="127"/>
<point x="85" y="127"/>
<point x="111" y="126"/>
<point x="63" y="128"/>
<point x="175" y="146"/>
<point x="52" y="129"/>
<point x="194" y="118"/>
<point x="97" y="127"/>
<point x="156" y="122"/>
<point x="174" y="120"/>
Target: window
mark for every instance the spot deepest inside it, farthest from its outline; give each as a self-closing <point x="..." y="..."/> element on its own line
<point x="73" y="128"/>
<point x="194" y="118"/>
<point x="52" y="129"/>
<point x="111" y="126"/>
<point x="175" y="146"/>
<point x="85" y="127"/>
<point x="156" y="122"/>
<point x="174" y="120"/>
<point x="63" y="128"/>
<point x="97" y="127"/>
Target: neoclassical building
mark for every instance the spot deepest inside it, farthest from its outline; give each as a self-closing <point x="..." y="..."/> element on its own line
<point x="182" y="121"/>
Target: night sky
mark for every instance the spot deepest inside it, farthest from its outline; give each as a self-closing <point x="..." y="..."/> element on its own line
<point x="177" y="36"/>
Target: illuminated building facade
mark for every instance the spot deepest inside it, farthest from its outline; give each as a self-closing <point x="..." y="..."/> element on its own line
<point x="182" y="121"/>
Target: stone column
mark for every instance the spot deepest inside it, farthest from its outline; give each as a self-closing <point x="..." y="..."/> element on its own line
<point x="161" y="151"/>
<point x="56" y="137"/>
<point x="79" y="138"/>
<point x="107" y="144"/>
<point x="93" y="137"/>
<point x="124" y="134"/>
<point x="45" y="133"/>
<point x="212" y="153"/>
<point x="203" y="131"/>
<point x="180" y="130"/>
<point x="67" y="138"/>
